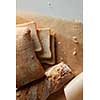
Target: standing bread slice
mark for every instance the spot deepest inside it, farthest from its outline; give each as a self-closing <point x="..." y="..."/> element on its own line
<point x="44" y="36"/>
<point x="52" y="60"/>
<point x="36" y="41"/>
<point x="28" y="68"/>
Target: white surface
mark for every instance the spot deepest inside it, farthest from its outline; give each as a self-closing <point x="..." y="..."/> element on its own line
<point x="74" y="89"/>
<point x="67" y="9"/>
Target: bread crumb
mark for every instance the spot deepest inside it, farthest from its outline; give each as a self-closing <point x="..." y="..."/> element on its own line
<point x="74" y="53"/>
<point x="18" y="93"/>
<point x="74" y="39"/>
<point x="59" y="42"/>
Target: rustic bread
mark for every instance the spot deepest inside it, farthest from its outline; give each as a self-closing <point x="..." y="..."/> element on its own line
<point x="28" y="68"/>
<point x="36" y="41"/>
<point x="56" y="77"/>
<point x="44" y="36"/>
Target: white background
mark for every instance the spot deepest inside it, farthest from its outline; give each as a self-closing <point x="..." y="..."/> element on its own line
<point x="67" y="9"/>
<point x="91" y="25"/>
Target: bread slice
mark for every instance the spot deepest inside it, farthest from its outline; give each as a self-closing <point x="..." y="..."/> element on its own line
<point x="44" y="36"/>
<point x="28" y="67"/>
<point x="52" y="60"/>
<point x="36" y="41"/>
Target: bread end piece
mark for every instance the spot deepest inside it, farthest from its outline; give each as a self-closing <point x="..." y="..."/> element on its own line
<point x="58" y="75"/>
